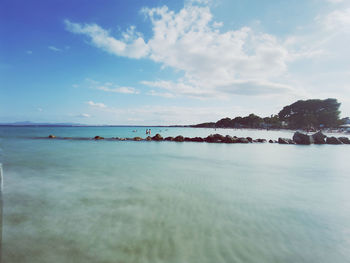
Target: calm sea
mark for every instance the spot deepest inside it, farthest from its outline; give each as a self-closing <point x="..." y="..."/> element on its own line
<point x="112" y="201"/>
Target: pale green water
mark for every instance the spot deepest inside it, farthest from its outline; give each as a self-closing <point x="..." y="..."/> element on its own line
<point x="103" y="201"/>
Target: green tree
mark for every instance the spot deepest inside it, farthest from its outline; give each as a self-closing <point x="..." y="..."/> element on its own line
<point x="311" y="113"/>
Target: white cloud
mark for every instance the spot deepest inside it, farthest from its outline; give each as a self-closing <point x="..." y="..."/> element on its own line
<point x="337" y="20"/>
<point x="84" y="115"/>
<point x="53" y="48"/>
<point x="131" y="45"/>
<point x="124" y="90"/>
<point x="217" y="63"/>
<point x="335" y="1"/>
<point x="96" y="104"/>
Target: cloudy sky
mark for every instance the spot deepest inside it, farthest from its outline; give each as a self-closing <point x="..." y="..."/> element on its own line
<point x="169" y="62"/>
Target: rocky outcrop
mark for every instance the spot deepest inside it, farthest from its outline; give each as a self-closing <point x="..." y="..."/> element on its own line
<point x="344" y="140"/>
<point x="333" y="140"/>
<point x="197" y="139"/>
<point x="169" y="138"/>
<point x="319" y="138"/>
<point x="179" y="138"/>
<point x="99" y="138"/>
<point x="137" y="139"/>
<point x="285" y="141"/>
<point x="215" y="138"/>
<point x="51" y="136"/>
<point x="302" y="138"/>
<point x="250" y="139"/>
<point x="148" y="138"/>
<point x="242" y="140"/>
<point x="157" y="137"/>
<point x="230" y="139"/>
<point x="260" y="140"/>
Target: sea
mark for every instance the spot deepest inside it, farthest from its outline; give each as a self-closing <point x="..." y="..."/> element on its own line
<point x="171" y="202"/>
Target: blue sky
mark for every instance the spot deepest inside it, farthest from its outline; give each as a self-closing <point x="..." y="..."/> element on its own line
<point x="169" y="62"/>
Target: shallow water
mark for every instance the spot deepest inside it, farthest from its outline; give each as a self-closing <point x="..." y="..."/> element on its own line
<point x="103" y="201"/>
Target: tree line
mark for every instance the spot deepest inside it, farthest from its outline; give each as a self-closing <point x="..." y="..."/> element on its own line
<point x="303" y="114"/>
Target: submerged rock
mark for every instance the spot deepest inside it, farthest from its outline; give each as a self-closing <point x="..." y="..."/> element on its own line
<point x="333" y="140"/>
<point x="344" y="140"/>
<point x="157" y="137"/>
<point x="179" y="138"/>
<point x="302" y="138"/>
<point x="319" y="138"/>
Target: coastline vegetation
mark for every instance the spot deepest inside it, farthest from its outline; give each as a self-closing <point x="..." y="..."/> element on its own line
<point x="310" y="114"/>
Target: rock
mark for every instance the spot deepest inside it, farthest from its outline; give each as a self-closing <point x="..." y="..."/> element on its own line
<point x="215" y="138"/>
<point x="271" y="141"/>
<point x="319" y="138"/>
<point x="344" y="140"/>
<point x="52" y="136"/>
<point x="197" y="139"/>
<point x="98" y="138"/>
<point x="229" y="139"/>
<point x="148" y="138"/>
<point x="242" y="140"/>
<point x="138" y="139"/>
<point x="68" y="138"/>
<point x="333" y="140"/>
<point x="157" y="137"/>
<point x="283" y="141"/>
<point x="169" y="138"/>
<point x="249" y="139"/>
<point x="261" y="140"/>
<point x="179" y="138"/>
<point x="302" y="138"/>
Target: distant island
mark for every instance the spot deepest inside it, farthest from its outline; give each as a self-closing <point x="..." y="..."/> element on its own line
<point x="310" y="114"/>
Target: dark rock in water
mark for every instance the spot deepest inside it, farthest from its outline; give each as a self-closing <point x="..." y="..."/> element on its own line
<point x="285" y="141"/>
<point x="148" y="138"/>
<point x="67" y="138"/>
<point x="215" y="138"/>
<point x="271" y="141"/>
<point x="98" y="138"/>
<point x="187" y="139"/>
<point x="229" y="139"/>
<point x="319" y="138"/>
<point x="302" y="138"/>
<point x="138" y="139"/>
<point x="242" y="140"/>
<point x="344" y="140"/>
<point x="157" y="137"/>
<point x="333" y="140"/>
<point x="250" y="139"/>
<point x="197" y="139"/>
<point x="179" y="138"/>
<point x="52" y="136"/>
<point x="261" y="140"/>
<point x="169" y="138"/>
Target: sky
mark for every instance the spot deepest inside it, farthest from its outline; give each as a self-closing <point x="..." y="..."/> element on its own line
<point x="159" y="62"/>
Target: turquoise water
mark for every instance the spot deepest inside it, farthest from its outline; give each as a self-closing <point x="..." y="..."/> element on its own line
<point x="112" y="201"/>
